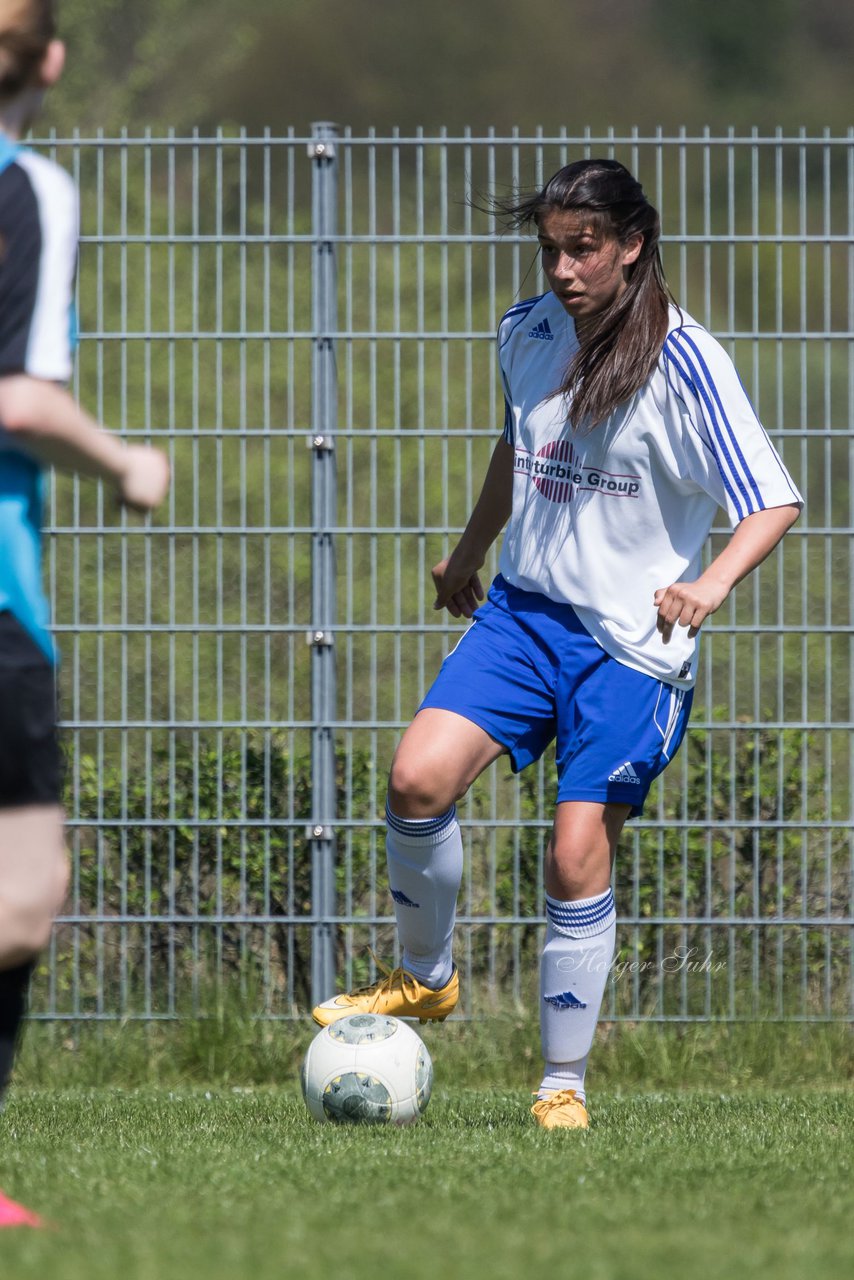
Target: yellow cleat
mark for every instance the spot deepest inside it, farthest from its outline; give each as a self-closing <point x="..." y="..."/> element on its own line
<point x="398" y="995"/>
<point x="560" y="1109"/>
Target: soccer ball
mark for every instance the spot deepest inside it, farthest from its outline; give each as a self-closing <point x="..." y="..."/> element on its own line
<point x="367" y="1069"/>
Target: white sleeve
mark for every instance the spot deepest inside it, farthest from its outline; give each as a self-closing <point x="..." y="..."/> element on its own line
<point x="509" y="323"/>
<point x="509" y="419"/>
<point x="728" y="452"/>
<point x="50" y="348"/>
<point x="505" y="329"/>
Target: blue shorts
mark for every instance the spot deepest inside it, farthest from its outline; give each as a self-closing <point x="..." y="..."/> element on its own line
<point x="527" y="671"/>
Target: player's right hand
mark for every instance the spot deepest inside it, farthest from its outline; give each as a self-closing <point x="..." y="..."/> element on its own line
<point x="458" y="589"/>
<point x="144" y="481"/>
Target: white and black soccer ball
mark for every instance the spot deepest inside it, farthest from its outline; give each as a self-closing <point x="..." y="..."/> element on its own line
<point x="367" y="1069"/>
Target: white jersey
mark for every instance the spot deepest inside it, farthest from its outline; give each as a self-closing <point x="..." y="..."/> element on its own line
<point x="603" y="519"/>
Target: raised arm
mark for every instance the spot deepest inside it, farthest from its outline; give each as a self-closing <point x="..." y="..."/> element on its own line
<point x="42" y="419"/>
<point x="458" y="586"/>
<point x="688" y="604"/>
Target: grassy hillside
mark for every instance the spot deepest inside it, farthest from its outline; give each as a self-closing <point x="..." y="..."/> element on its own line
<point x="620" y="62"/>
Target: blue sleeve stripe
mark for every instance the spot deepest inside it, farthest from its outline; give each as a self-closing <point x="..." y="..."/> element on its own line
<point x="709" y="382"/>
<point x="509" y="432"/>
<point x="523" y="307"/>
<point x="517" y="315"/>
<point x="729" y="472"/>
<point x="679" y="388"/>
<point x="796" y="497"/>
<point x="675" y="356"/>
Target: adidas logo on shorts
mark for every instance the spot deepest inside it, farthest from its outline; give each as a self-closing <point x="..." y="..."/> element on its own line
<point x="626" y="774"/>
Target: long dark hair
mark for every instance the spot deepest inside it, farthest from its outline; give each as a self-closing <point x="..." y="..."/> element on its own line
<point x="26" y="29"/>
<point x="623" y="346"/>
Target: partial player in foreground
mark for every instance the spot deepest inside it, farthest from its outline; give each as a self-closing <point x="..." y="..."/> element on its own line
<point x="40" y="425"/>
<point x="626" y="429"/>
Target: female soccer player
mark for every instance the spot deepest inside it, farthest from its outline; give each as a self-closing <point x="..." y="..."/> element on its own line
<point x="40" y="424"/>
<point x="626" y="428"/>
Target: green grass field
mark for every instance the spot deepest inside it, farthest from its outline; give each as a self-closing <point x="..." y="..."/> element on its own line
<point x="236" y="1183"/>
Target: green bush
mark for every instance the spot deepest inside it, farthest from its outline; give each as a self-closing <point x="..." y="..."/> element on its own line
<point x="192" y="870"/>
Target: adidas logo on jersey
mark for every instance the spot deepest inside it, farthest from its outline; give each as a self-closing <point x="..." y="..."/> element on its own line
<point x="626" y="774"/>
<point x="543" y="331"/>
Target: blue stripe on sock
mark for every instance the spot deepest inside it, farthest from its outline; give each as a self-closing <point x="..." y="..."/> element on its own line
<point x="418" y="827"/>
<point x="567" y="913"/>
<point x="581" y="920"/>
<point x="590" y="904"/>
<point x="582" y="904"/>
<point x="557" y="918"/>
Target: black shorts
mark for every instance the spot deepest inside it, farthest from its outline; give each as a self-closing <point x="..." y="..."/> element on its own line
<point x="30" y="757"/>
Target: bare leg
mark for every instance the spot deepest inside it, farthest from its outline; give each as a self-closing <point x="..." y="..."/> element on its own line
<point x="33" y="883"/>
<point x="33" y="879"/>
<point x="582" y="848"/>
<point x="438" y="758"/>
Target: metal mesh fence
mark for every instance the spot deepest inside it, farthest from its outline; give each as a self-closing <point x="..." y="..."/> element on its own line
<point x="307" y="326"/>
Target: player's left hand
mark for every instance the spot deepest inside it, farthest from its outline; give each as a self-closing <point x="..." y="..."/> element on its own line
<point x="144" y="480"/>
<point x="687" y="604"/>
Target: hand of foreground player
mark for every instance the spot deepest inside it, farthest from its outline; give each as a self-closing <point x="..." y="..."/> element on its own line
<point x="690" y="603"/>
<point x="43" y="420"/>
<point x="144" y="481"/>
<point x="458" y="587"/>
<point x="687" y="604"/>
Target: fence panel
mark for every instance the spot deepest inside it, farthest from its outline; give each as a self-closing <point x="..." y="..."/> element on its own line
<point x="190" y="695"/>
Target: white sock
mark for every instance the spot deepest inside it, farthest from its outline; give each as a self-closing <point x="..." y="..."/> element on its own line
<point x="425" y="869"/>
<point x="575" y="965"/>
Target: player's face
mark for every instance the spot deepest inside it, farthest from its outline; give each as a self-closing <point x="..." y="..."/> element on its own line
<point x="586" y="271"/>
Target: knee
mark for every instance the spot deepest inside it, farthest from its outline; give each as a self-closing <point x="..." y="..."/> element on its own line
<point x="26" y="918"/>
<point x="575" y="871"/>
<point x="25" y="931"/>
<point x="418" y="789"/>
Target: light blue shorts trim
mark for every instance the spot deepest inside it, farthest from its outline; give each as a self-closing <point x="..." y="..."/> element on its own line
<point x="527" y="672"/>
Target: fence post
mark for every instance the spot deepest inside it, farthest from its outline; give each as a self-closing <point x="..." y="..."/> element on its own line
<point x="324" y="416"/>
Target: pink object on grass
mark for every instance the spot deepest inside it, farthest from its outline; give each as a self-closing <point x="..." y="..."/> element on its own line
<point x="15" y="1215"/>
